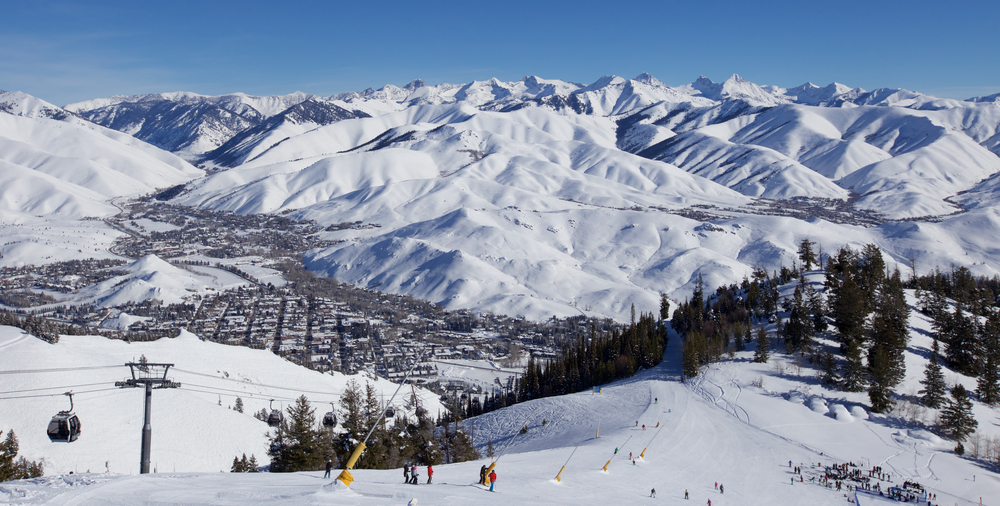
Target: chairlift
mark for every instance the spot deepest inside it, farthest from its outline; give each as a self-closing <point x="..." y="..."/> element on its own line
<point x="390" y="412"/>
<point x="330" y="418"/>
<point x="275" y="418"/>
<point x="65" y="426"/>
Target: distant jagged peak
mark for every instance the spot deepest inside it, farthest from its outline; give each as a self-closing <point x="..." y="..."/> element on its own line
<point x="734" y="88"/>
<point x="812" y="94"/>
<point x="647" y="79"/>
<point x="414" y="84"/>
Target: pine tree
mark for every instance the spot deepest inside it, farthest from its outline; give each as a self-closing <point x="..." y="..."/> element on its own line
<point x="763" y="351"/>
<point x="956" y="420"/>
<point x="13" y="467"/>
<point x="889" y="335"/>
<point x="806" y="254"/>
<point x="961" y="343"/>
<point x="798" y="331"/>
<point x="932" y="395"/>
<point x="237" y="465"/>
<point x="988" y="383"/>
<point x="239" y="405"/>
<point x="295" y="445"/>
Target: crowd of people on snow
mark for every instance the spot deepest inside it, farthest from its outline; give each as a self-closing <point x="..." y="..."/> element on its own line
<point x="873" y="481"/>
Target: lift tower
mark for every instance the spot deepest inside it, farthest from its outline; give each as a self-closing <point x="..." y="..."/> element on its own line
<point x="147" y="374"/>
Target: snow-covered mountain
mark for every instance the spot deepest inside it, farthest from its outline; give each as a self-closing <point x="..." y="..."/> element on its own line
<point x="184" y="123"/>
<point x="542" y="196"/>
<point x="55" y="163"/>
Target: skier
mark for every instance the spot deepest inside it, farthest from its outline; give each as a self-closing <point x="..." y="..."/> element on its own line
<point x="616" y="451"/>
<point x="716" y="485"/>
<point x="722" y="489"/>
<point x="633" y="462"/>
<point x="329" y="467"/>
<point x="652" y="493"/>
<point x="789" y="463"/>
<point x="430" y="473"/>
<point x="630" y="455"/>
<point x="482" y="476"/>
<point x="406" y="473"/>
<point x="413" y="473"/>
<point x="685" y="493"/>
<point x="493" y="479"/>
<point x="709" y="502"/>
<point x="793" y="480"/>
<point x="637" y="423"/>
<point x="644" y="428"/>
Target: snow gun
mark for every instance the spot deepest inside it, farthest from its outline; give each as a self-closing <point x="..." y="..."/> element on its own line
<point x="345" y="475"/>
<point x="613" y="457"/>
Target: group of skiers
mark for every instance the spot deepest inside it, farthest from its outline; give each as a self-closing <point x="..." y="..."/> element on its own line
<point x="487" y="479"/>
<point x="410" y="474"/>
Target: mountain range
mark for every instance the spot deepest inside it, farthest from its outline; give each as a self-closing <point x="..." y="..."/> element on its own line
<point x="541" y="197"/>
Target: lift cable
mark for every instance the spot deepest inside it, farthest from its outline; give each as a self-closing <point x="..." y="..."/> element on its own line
<point x="62" y="369"/>
<point x="55" y="395"/>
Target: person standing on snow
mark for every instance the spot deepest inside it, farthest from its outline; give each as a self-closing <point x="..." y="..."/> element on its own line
<point x="482" y="476"/>
<point x="430" y="474"/>
<point x="406" y="473"/>
<point x="652" y="493"/>
<point x="493" y="479"/>
<point x="329" y="467"/>
<point x="722" y="489"/>
<point x="413" y="473"/>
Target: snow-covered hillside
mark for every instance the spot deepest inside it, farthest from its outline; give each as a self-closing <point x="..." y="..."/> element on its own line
<point x="192" y="432"/>
<point x="730" y="436"/>
<point x="56" y="164"/>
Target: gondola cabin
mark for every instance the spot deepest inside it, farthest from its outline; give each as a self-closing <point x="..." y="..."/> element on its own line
<point x="329" y="419"/>
<point x="64" y="427"/>
<point x="275" y="418"/>
<point x="390" y="413"/>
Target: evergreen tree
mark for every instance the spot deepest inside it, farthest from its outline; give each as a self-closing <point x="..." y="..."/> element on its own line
<point x="239" y="405"/>
<point x="664" y="307"/>
<point x="828" y="364"/>
<point x="988" y="383"/>
<point x="806" y="254"/>
<point x="798" y="331"/>
<point x="956" y="420"/>
<point x="961" y="342"/>
<point x="889" y="336"/>
<point x="763" y="351"/>
<point x="296" y="445"/>
<point x="237" y="465"/>
<point x="932" y="395"/>
<point x="13" y="467"/>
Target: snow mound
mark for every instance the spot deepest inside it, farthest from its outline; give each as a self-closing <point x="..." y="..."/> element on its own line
<point x="841" y="413"/>
<point x="859" y="412"/>
<point x="818" y="405"/>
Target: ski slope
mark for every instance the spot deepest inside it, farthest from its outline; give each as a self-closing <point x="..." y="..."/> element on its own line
<point x="717" y="427"/>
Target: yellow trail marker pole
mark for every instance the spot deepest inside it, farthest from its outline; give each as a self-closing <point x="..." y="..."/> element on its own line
<point x="598" y="429"/>
<point x="345" y="476"/>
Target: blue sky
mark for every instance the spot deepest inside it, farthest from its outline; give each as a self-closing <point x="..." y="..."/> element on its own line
<point x="67" y="51"/>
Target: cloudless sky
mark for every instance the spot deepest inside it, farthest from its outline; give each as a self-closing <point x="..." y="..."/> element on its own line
<point x="73" y="50"/>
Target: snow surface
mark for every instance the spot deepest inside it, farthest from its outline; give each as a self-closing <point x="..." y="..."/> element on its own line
<point x="717" y="427"/>
<point x="191" y="431"/>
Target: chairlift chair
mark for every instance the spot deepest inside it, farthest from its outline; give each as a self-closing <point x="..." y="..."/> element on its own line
<point x="65" y="425"/>
<point x="275" y="418"/>
<point x="330" y="418"/>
